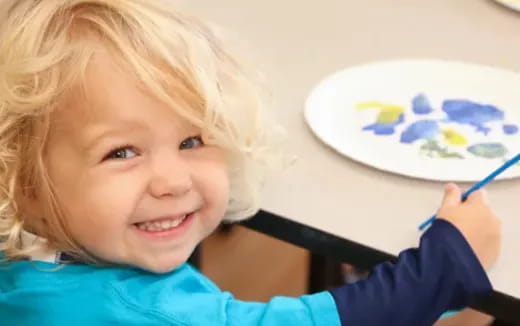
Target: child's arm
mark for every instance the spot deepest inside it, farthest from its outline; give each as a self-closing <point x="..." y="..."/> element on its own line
<point x="443" y="273"/>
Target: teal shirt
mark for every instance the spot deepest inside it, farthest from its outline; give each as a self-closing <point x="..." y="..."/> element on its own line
<point x="31" y="294"/>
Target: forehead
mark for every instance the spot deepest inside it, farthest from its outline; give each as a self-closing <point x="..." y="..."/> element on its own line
<point x="109" y="95"/>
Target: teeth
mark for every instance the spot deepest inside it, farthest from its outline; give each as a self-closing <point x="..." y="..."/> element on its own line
<point x="160" y="226"/>
<point x="165" y="224"/>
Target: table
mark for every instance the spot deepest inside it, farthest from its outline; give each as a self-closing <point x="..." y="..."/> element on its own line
<point x="326" y="202"/>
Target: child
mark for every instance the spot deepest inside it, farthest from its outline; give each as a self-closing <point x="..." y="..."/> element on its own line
<point x="127" y="134"/>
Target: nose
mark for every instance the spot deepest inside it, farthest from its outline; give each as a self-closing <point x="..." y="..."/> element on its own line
<point x="171" y="176"/>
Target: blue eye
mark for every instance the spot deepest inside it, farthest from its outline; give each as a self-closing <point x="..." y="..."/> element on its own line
<point x="191" y="142"/>
<point x="121" y="153"/>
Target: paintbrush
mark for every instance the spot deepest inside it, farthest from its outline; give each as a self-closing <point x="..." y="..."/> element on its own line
<point x="478" y="185"/>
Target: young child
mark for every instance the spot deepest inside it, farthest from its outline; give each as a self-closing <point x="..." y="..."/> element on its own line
<point x="127" y="134"/>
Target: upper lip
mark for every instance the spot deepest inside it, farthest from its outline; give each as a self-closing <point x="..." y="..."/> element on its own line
<point x="164" y="217"/>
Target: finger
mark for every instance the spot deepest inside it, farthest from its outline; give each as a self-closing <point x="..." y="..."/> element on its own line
<point x="478" y="196"/>
<point x="452" y="196"/>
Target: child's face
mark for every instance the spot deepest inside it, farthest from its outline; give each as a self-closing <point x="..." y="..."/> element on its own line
<point x="133" y="179"/>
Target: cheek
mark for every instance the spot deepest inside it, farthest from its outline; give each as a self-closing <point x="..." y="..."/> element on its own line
<point x="211" y="175"/>
<point x="213" y="184"/>
<point x="99" y="201"/>
<point x="218" y="190"/>
<point x="220" y="204"/>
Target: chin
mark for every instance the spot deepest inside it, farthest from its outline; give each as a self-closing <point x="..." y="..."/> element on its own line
<point x="162" y="266"/>
<point x="162" y="269"/>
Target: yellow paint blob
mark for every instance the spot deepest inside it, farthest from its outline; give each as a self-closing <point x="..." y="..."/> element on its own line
<point x="454" y="138"/>
<point x="388" y="112"/>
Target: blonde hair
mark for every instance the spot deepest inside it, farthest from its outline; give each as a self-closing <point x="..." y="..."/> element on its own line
<point x="45" y="47"/>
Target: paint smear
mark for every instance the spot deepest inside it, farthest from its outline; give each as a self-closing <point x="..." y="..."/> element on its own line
<point x="389" y="117"/>
<point x="488" y="150"/>
<point x="388" y="113"/>
<point x="472" y="113"/>
<point x="422" y="129"/>
<point x="384" y="128"/>
<point x="421" y="105"/>
<point x="432" y="149"/>
<point x="436" y="137"/>
<point x="510" y="129"/>
<point x="453" y="137"/>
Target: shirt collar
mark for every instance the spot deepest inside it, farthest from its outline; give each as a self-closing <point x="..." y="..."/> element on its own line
<point x="42" y="252"/>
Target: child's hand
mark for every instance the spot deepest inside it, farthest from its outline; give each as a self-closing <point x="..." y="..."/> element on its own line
<point x="475" y="220"/>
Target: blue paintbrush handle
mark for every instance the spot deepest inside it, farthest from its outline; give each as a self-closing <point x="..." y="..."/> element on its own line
<point x="478" y="185"/>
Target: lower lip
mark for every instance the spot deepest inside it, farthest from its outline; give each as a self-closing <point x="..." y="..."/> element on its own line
<point x="170" y="233"/>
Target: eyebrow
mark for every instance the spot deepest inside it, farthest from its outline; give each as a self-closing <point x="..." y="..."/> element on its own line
<point x="103" y="131"/>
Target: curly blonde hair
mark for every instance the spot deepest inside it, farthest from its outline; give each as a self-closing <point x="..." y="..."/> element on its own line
<point x="45" y="48"/>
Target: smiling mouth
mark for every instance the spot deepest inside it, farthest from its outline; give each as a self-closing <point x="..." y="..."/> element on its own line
<point x="163" y="224"/>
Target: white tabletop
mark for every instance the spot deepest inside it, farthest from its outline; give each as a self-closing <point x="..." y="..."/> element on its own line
<point x="300" y="42"/>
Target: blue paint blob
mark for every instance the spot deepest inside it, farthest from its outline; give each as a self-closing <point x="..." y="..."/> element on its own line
<point x="422" y="129"/>
<point x="421" y="104"/>
<point x="510" y="129"/>
<point x="472" y="113"/>
<point x="383" y="129"/>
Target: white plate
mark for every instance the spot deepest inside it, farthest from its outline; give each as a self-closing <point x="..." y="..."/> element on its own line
<point x="513" y="4"/>
<point x="482" y="107"/>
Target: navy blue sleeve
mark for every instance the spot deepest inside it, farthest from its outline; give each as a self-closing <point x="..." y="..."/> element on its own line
<point x="442" y="274"/>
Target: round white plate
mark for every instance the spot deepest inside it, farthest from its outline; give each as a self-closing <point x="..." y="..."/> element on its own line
<point x="513" y="4"/>
<point x="464" y="123"/>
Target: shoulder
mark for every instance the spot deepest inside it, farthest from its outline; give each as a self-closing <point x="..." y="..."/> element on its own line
<point x="80" y="293"/>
